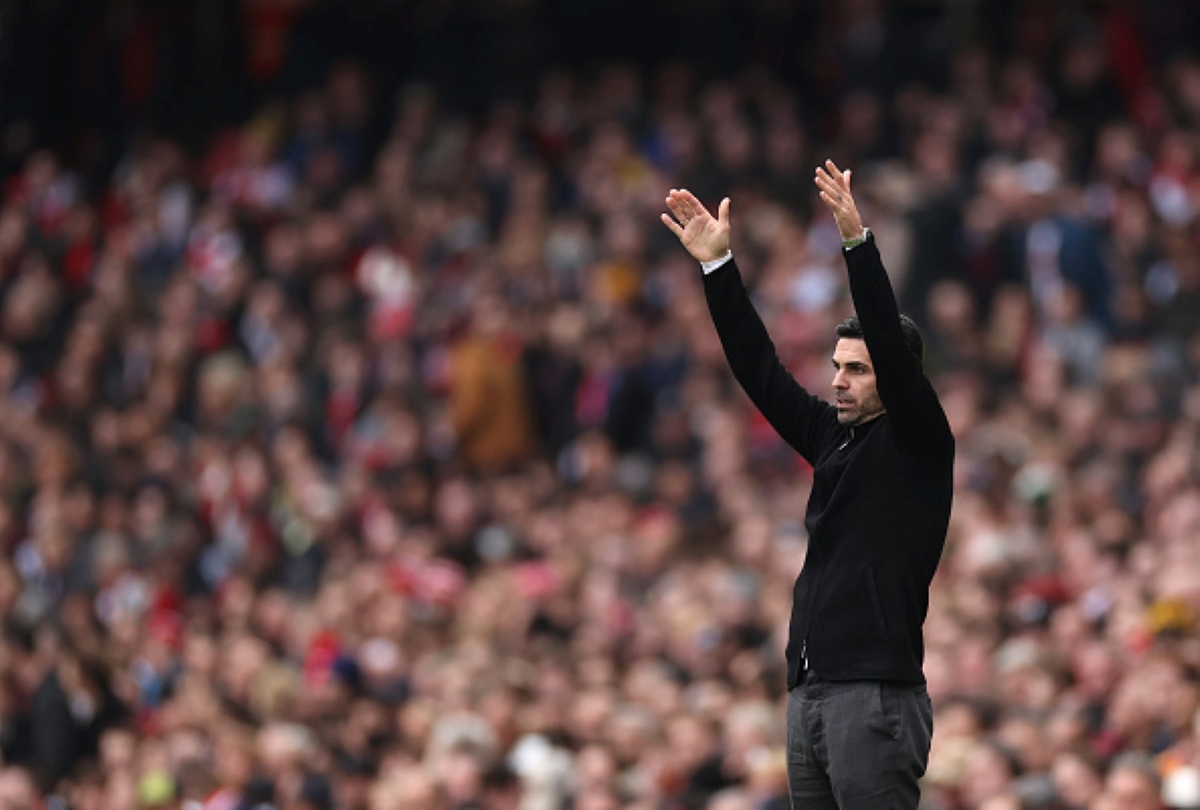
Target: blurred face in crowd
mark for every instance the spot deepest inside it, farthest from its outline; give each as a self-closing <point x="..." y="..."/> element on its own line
<point x="17" y="791"/>
<point x="854" y="383"/>
<point x="1132" y="790"/>
<point x="986" y="773"/>
<point x="1076" y="782"/>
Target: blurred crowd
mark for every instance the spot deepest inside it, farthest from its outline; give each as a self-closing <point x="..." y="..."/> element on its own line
<point x="347" y="475"/>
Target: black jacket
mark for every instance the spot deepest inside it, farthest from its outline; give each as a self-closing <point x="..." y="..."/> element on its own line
<point x="880" y="499"/>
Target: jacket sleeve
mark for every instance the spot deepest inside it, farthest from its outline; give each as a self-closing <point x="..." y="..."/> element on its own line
<point x="804" y="421"/>
<point x="907" y="394"/>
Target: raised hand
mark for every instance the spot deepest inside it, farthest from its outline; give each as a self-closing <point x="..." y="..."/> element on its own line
<point x="835" y="193"/>
<point x="704" y="237"/>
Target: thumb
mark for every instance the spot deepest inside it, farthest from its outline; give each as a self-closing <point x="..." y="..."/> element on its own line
<point x="723" y="212"/>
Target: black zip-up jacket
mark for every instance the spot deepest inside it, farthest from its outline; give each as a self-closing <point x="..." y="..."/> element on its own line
<point x="880" y="500"/>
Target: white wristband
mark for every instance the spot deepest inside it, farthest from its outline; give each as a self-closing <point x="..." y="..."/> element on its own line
<point x="708" y="267"/>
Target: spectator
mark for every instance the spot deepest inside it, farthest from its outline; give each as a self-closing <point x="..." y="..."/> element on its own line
<point x="488" y="395"/>
<point x="1133" y="782"/>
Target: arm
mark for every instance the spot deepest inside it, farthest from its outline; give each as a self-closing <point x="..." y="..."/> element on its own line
<point x="803" y="420"/>
<point x="905" y="390"/>
<point x="907" y="394"/>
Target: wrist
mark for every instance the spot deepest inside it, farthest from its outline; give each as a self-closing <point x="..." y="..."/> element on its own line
<point x="849" y="242"/>
<point x="708" y="265"/>
<point x="711" y="255"/>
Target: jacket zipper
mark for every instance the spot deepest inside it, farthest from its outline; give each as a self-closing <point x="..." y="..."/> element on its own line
<point x="849" y="439"/>
<point x="812" y="595"/>
<point x="812" y="601"/>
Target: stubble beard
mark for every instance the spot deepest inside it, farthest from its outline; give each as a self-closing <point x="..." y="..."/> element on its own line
<point x="859" y="414"/>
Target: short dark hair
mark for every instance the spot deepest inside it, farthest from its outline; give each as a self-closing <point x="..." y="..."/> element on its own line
<point x="851" y="328"/>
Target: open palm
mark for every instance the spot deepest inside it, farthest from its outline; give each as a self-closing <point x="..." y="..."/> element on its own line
<point x="705" y="237"/>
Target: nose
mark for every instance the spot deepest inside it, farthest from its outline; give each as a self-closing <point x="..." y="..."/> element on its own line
<point x="839" y="380"/>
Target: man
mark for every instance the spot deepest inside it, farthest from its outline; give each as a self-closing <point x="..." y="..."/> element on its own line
<point x="859" y="717"/>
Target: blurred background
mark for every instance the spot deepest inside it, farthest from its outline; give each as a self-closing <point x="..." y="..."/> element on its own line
<point x="365" y="442"/>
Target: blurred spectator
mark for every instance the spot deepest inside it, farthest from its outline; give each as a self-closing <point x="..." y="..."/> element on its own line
<point x="1134" y="783"/>
<point x="365" y="444"/>
<point x="489" y="394"/>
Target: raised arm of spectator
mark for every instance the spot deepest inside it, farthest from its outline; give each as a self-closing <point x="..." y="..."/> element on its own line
<point x="804" y="421"/>
<point x="906" y="393"/>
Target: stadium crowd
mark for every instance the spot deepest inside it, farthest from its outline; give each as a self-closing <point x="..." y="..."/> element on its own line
<point x="358" y="473"/>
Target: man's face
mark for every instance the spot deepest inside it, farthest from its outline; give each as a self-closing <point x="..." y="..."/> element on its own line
<point x="854" y="389"/>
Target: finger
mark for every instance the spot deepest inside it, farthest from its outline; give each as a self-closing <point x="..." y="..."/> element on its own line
<point x="723" y="212"/>
<point x="827" y="182"/>
<point x="834" y="171"/>
<point x="676" y="196"/>
<point x="847" y="181"/>
<point x="835" y="190"/>
<point x="834" y="203"/>
<point x="828" y="186"/>
<point x="694" y="205"/>
<point x="679" y="205"/>
<point x="673" y="225"/>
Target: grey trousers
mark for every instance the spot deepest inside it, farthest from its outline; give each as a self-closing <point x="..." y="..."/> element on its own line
<point x="857" y="745"/>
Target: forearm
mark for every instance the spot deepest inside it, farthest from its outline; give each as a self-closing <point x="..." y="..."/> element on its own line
<point x="879" y="314"/>
<point x="796" y="415"/>
<point x="906" y="393"/>
<point x="743" y="335"/>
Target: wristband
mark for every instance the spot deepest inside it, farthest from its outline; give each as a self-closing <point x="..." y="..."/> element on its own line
<point x="855" y="241"/>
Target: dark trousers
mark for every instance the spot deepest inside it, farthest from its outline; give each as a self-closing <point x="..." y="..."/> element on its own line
<point x="857" y="745"/>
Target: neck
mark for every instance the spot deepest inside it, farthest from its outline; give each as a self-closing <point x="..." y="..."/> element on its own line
<point x="865" y="420"/>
